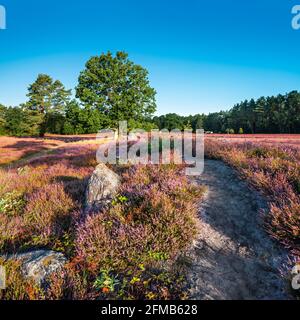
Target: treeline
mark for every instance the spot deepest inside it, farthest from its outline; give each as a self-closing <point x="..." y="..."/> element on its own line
<point x="110" y="88"/>
<point x="174" y="121"/>
<point x="276" y="114"/>
<point x="113" y="88"/>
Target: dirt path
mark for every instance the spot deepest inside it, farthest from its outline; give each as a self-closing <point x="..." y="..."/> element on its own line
<point x="234" y="258"/>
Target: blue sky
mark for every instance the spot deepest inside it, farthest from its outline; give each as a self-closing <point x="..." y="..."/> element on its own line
<point x="202" y="55"/>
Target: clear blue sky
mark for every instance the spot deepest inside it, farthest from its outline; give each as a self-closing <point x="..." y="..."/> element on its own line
<point x="202" y="55"/>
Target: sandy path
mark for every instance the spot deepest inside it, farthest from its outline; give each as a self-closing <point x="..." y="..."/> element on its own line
<point x="234" y="258"/>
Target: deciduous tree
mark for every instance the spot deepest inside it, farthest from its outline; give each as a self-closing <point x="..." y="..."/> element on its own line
<point x="117" y="88"/>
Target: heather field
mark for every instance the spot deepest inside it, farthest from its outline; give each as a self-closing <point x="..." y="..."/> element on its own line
<point x="125" y="252"/>
<point x="138" y="247"/>
<point x="284" y="140"/>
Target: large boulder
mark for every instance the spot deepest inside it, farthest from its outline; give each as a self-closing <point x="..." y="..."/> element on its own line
<point x="39" y="264"/>
<point x="102" y="187"/>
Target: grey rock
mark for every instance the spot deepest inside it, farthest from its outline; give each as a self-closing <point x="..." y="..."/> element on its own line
<point x="39" y="264"/>
<point x="102" y="187"/>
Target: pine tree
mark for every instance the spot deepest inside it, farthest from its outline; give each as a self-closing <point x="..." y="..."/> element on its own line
<point x="47" y="102"/>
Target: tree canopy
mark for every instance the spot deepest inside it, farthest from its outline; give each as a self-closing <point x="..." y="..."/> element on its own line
<point x="275" y="114"/>
<point x="117" y="88"/>
<point x="46" y="105"/>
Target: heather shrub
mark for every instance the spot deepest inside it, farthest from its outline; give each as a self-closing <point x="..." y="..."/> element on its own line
<point x="266" y="152"/>
<point x="151" y="222"/>
<point x="71" y="283"/>
<point x="157" y="213"/>
<point x="40" y="203"/>
<point x="48" y="214"/>
<point x="46" y="220"/>
<point x="13" y="233"/>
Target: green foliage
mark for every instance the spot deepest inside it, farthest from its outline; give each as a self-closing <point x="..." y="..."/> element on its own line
<point x="13" y="121"/>
<point x="47" y="96"/>
<point x="106" y="281"/>
<point x="172" y="121"/>
<point x="47" y="103"/>
<point x="43" y="112"/>
<point x="146" y="125"/>
<point x="120" y="199"/>
<point x="158" y="256"/>
<point x="117" y="88"/>
<point x="74" y="122"/>
<point x="18" y="122"/>
<point x="276" y="114"/>
<point x="12" y="203"/>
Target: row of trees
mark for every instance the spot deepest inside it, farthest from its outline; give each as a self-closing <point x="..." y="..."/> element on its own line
<point x="174" y="121"/>
<point x="276" y="114"/>
<point x="110" y="88"/>
<point x="113" y="88"/>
